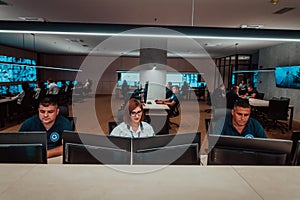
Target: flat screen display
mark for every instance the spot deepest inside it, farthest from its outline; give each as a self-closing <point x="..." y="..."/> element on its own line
<point x="132" y="78"/>
<point x="15" y="89"/>
<point x="287" y="76"/>
<point x="3" y="90"/>
<point x="12" y="73"/>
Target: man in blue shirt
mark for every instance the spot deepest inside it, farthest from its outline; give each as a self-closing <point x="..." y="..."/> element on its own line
<point x="49" y="120"/>
<point x="239" y="123"/>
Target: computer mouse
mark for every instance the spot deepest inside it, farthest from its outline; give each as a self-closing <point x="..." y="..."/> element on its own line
<point x="149" y="102"/>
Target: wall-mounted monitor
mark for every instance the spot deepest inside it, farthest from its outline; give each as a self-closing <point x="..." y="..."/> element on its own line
<point x="15" y="89"/>
<point x="132" y="78"/>
<point x="287" y="76"/>
<point x="3" y="90"/>
<point x="13" y="73"/>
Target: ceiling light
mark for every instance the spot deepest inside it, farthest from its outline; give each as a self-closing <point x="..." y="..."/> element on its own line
<point x="255" y="26"/>
<point x="274" y="2"/>
<point x="32" y="19"/>
<point x="213" y="44"/>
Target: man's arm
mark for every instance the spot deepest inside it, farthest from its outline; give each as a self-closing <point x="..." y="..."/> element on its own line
<point x="57" y="151"/>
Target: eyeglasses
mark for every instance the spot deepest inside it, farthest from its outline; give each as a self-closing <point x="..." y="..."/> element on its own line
<point x="241" y="114"/>
<point x="136" y="113"/>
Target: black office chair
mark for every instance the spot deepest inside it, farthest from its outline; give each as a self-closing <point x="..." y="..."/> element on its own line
<point x="295" y="138"/>
<point x="278" y="110"/>
<point x="296" y="158"/>
<point x="260" y="95"/>
<point x="174" y="112"/>
<point x="72" y="121"/>
<point x="111" y="126"/>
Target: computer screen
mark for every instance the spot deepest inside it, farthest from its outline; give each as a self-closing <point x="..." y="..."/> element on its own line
<point x="23" y="147"/>
<point x="88" y="148"/>
<point x="287" y="76"/>
<point x="15" y="89"/>
<point x="233" y="150"/>
<point x="14" y="73"/>
<point x="3" y="90"/>
<point x="131" y="77"/>
<point x="177" y="149"/>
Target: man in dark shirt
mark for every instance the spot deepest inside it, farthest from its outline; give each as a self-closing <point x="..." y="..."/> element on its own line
<point x="49" y="120"/>
<point x="239" y="123"/>
<point x="232" y="96"/>
<point x="251" y="92"/>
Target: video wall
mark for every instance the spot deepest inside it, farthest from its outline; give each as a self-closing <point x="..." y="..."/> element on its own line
<point x="287" y="76"/>
<point x="133" y="79"/>
<point x="14" y="71"/>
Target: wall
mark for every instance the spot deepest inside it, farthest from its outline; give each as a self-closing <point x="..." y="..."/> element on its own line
<point x="284" y="54"/>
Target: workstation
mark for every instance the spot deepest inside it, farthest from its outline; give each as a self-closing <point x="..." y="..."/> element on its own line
<point x="207" y="56"/>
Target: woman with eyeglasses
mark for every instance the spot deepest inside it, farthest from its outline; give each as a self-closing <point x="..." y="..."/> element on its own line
<point x="133" y="126"/>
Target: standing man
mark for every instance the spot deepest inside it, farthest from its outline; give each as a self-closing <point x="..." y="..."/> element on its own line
<point x="50" y="121"/>
<point x="239" y="123"/>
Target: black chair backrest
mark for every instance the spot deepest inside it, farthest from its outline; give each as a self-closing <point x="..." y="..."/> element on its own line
<point x="297" y="154"/>
<point x="260" y="95"/>
<point x="111" y="126"/>
<point x="278" y="109"/>
<point x="295" y="137"/>
<point x="72" y="121"/>
<point x="175" y="111"/>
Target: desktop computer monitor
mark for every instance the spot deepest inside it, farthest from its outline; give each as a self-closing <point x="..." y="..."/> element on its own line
<point x="88" y="148"/>
<point x="23" y="147"/>
<point x="233" y="150"/>
<point x="177" y="149"/>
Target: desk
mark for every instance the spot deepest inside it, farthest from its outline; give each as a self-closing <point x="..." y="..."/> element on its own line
<point x="155" y="106"/>
<point x="264" y="103"/>
<point x="171" y="182"/>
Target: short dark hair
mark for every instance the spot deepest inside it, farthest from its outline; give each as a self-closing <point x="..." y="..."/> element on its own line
<point x="49" y="100"/>
<point x="244" y="103"/>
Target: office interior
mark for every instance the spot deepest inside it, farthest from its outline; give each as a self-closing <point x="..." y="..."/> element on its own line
<point x="236" y="62"/>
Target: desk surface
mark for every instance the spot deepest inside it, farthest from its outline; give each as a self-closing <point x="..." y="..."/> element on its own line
<point x="171" y="182"/>
<point x="258" y="102"/>
<point x="155" y="106"/>
<point x="7" y="99"/>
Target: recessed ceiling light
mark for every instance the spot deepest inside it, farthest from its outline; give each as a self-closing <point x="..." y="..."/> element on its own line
<point x="213" y="44"/>
<point x="254" y="26"/>
<point x="32" y="19"/>
<point x="75" y="40"/>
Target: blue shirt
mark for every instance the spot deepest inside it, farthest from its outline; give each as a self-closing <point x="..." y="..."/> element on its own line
<point x="253" y="128"/>
<point x="54" y="134"/>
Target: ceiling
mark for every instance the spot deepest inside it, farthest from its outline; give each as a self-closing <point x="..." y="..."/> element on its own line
<point x="182" y="13"/>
